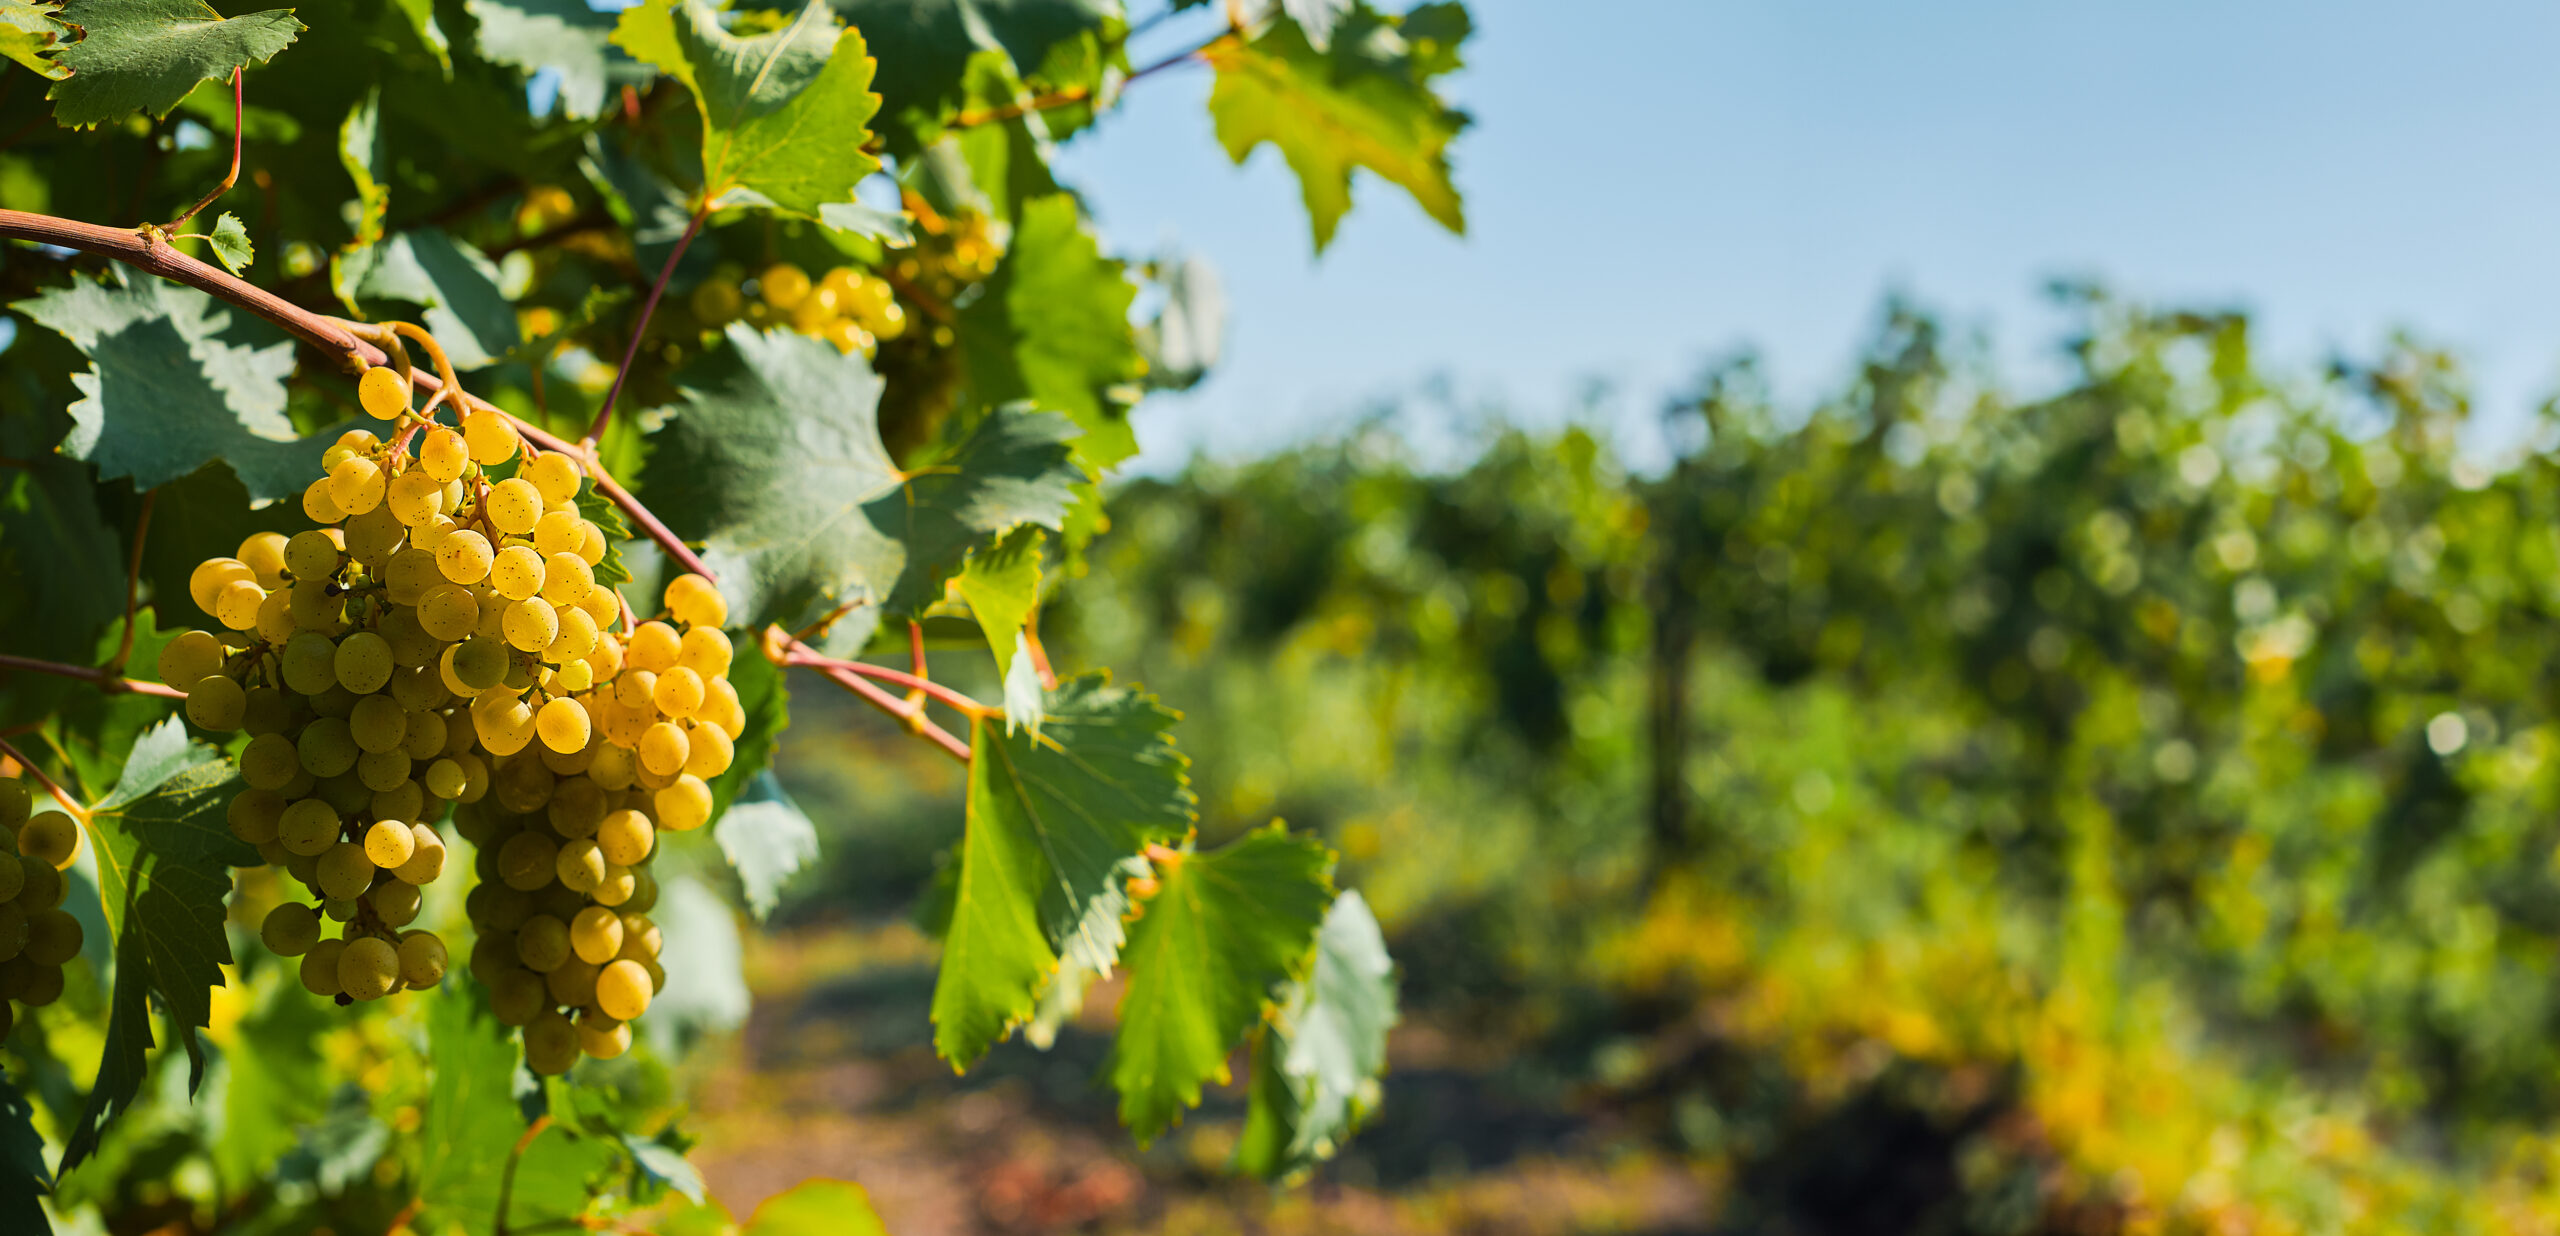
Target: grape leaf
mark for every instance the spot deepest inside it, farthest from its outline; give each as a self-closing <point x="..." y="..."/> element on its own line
<point x="454" y="283"/>
<point x="164" y="858"/>
<point x="24" y="1182"/>
<point x="925" y="48"/>
<point x="774" y="463"/>
<point x="1001" y="583"/>
<point x="472" y="1123"/>
<point x="1367" y="102"/>
<point x="145" y="55"/>
<point x="664" y="1165"/>
<point x="1328" y="1044"/>
<point x="177" y="378"/>
<point x="1056" y="823"/>
<point x="816" y="1208"/>
<point x="52" y="535"/>
<point x="421" y="15"/>
<point x="706" y="988"/>
<point x="230" y="241"/>
<point x="273" y="1078"/>
<point x="28" y="30"/>
<point x="1052" y="327"/>
<point x="1181" y="346"/>
<point x="366" y="157"/>
<point x="768" y="840"/>
<point x="566" y="36"/>
<point x="1316" y="17"/>
<point x="783" y="113"/>
<point x="338" y="1149"/>
<point x="599" y="510"/>
<point x="1225" y="929"/>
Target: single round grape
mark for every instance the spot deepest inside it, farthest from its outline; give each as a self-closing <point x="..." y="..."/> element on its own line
<point x="337" y="702"/>
<point x="514" y="506"/>
<point x="684" y="804"/>
<point x="308" y="827"/>
<point x="263" y="554"/>
<point x="426" y="856"/>
<point x="602" y="1038"/>
<point x="516" y="996"/>
<point x="53" y="937"/>
<point x="574" y="676"/>
<point x="555" y="476"/>
<point x="783" y="286"/>
<point x="443" y="454"/>
<point x="612" y="768"/>
<point x="616" y="886"/>
<point x="389" y="843"/>
<point x="41" y="887"/>
<point x="637" y="688"/>
<point x="269" y="711"/>
<point x="594" y="546"/>
<point x="716" y="301"/>
<point x="405" y="801"/>
<point x="41" y="986"/>
<point x="696" y="601"/>
<point x="517" y="572"/>
<point x="310" y="663"/>
<point x="448" y="611"/>
<point x="318" y="505"/>
<point x="559" y="532"/>
<point x="51" y="838"/>
<point x="550" y="1044"/>
<point x="207" y="580"/>
<point x="480" y="663"/>
<point x="596" y="935"/>
<point x="269" y="762"/>
<point x="372" y="536"/>
<point x="383" y="392"/>
<point x="356" y="485"/>
<point x="379" y="771"/>
<point x="524" y="787"/>
<point x="236" y="606"/>
<point x="531" y="624"/>
<point x="363" y="662"/>
<point x="678" y="693"/>
<point x="491" y="437"/>
<point x="13" y="929"/>
<point x="413" y="497"/>
<point x="706" y="651"/>
<point x="579" y="864"/>
<point x="663" y="748"/>
<point x="275" y="616"/>
<point x="254" y="816"/>
<point x="465" y="556"/>
<point x="640" y="937"/>
<point x="217" y="703"/>
<point x="193" y="656"/>
<point x="526" y="861"/>
<point x="290" y="929"/>
<point x="345" y="873"/>
<point x="711" y="750"/>
<point x="369" y="969"/>
<point x="394" y="902"/>
<point x="623" y="990"/>
<point x="320" y="968"/>
<point x="542" y="943"/>
<point x="378" y="723"/>
<point x="607" y="658"/>
<point x="422" y="959"/>
<point x="314" y="609"/>
<point x="567" y="579"/>
<point x="500" y="717"/>
<point x="626" y="837"/>
<point x="563" y="725"/>
<point x="444" y="779"/>
<point x="327" y="747"/>
<point x="311" y="555"/>
<point x="16" y="803"/>
<point x="653" y="647"/>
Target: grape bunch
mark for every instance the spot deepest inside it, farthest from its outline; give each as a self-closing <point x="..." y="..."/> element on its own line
<point x="852" y="309"/>
<point x="445" y="639"/>
<point x="37" y="936"/>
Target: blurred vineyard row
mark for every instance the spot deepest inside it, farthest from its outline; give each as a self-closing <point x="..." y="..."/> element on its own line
<point x="2130" y="809"/>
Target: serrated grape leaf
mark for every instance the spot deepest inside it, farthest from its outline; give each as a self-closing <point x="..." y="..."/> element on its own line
<point x="164" y="856"/>
<point x="177" y="378"/>
<point x="569" y="37"/>
<point x="665" y="1165"/>
<point x="925" y="48"/>
<point x="599" y="510"/>
<point x="1326" y="1047"/>
<point x="1052" y="327"/>
<point x="472" y="1123"/>
<point x="53" y="538"/>
<point x="145" y="55"/>
<point x="816" y="1208"/>
<point x="1224" y="930"/>
<point x="24" y="1182"/>
<point x="1181" y="346"/>
<point x="366" y="158"/>
<point x="768" y="840"/>
<point x="28" y="32"/>
<point x="773" y="462"/>
<point x="1317" y="18"/>
<point x="230" y="241"/>
<point x="455" y="284"/>
<point x="706" y="988"/>
<point x="1365" y="102"/>
<point x="1001" y="583"/>
<point x="856" y="219"/>
<point x="783" y="113"/>
<point x="1057" y="822"/>
<point x="338" y="1149"/>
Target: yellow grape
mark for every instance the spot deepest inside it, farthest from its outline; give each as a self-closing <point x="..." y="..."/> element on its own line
<point x="678" y="692"/>
<point x="364" y="663"/>
<point x="567" y="579"/>
<point x="514" y="505"/>
<point x="663" y="749"/>
<point x="531" y="624"/>
<point x="696" y="601"/>
<point x="556" y="476"/>
<point x="422" y="959"/>
<point x="448" y="611"/>
<point x="263" y="554"/>
<point x="550" y="1044"/>
<point x="389" y="843"/>
<point x="572" y="982"/>
<point x="320" y="968"/>
<point x="579" y="865"/>
<point x="290" y="929"/>
<point x="491" y="437"/>
<point x="216" y="703"/>
<point x="602" y="1038"/>
<point x="209" y="577"/>
<point x="625" y="838"/>
<point x="517" y="572"/>
<point x="706" y="651"/>
<point x="594" y="546"/>
<point x="356" y="485"/>
<point x="50" y="838"/>
<point x="443" y="454"/>
<point x="465" y="556"/>
<point x="369" y="968"/>
<point x="623" y="990"/>
<point x="559" y="532"/>
<point x="378" y="723"/>
<point x="413" y="497"/>
<point x="711" y="751"/>
<point x="308" y="828"/>
<point x="426" y="856"/>
<point x="563" y="725"/>
<point x="395" y="902"/>
<point x="383" y="392"/>
<point x="193" y="655"/>
<point x="596" y="935"/>
<point x="783" y="285"/>
<point x="317" y="503"/>
<point x="652" y="647"/>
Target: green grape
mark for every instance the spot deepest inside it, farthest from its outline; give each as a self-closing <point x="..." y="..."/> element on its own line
<point x="444" y="779"/>
<point x="448" y="611"/>
<point x="327" y="747"/>
<point x="493" y="953"/>
<point x="394" y="902"/>
<point x="596" y="935"/>
<point x="525" y="786"/>
<point x="13" y="929"/>
<point x="517" y="572"/>
<point x="290" y="929"/>
<point x="337" y="702"/>
<point x="383" y="393"/>
<point x="542" y="943"/>
<point x="50" y="838"/>
<point x="346" y="791"/>
<point x="405" y="801"/>
<point x="378" y="771"/>
<point x="579" y="864"/>
<point x="426" y="735"/>
<point x="363" y="663"/>
<point x="13" y="878"/>
<point x="377" y="723"/>
<point x="310" y="663"/>
<point x="426" y="856"/>
<point x="422" y="959"/>
<point x="558" y="902"/>
<point x="389" y="843"/>
<point x="345" y="873"/>
<point x="527" y="861"/>
<point x="550" y="1043"/>
<point x="53" y="937"/>
<point x="311" y="555"/>
<point x="43" y="987"/>
<point x="480" y="663"/>
<point x="318" y="505"/>
<point x="267" y="711"/>
<point x="572" y="982"/>
<point x="369" y="968"/>
<point x="269" y="762"/>
<point x="191" y="657"/>
<point x="531" y="624"/>
<point x="410" y="574"/>
<point x="419" y="689"/>
<point x="314" y="608"/>
<point x="275" y="616"/>
<point x="16" y="803"/>
<point x="254" y="815"/>
<point x="497" y="907"/>
<point x="308" y="828"/>
<point x="217" y="703"/>
<point x="516" y="996"/>
<point x="623" y="990"/>
<point x="576" y="808"/>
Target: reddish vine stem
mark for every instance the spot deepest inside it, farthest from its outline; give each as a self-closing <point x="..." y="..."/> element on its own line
<point x="239" y="121"/>
<point x="51" y="786"/>
<point x="842" y="675"/>
<point x="640" y="329"/>
<point x="799" y="654"/>
<point x="400" y="1221"/>
<point x="101" y="679"/>
<point x="133" y="580"/>
<point x="507" y="1179"/>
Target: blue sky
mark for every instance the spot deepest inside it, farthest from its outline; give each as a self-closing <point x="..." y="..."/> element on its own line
<point x="1650" y="183"/>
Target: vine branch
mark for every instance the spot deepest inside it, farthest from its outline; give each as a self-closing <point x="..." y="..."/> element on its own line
<point x="104" y="680"/>
<point x="640" y="330"/>
<point x="239" y="120"/>
<point x="507" y="1178"/>
<point x="51" y="786"/>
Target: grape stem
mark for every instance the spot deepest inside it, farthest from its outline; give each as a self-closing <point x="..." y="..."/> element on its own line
<point x="104" y="680"/>
<point x="51" y="786"/>
<point x="238" y="116"/>
<point x="507" y="1178"/>
<point x="796" y="653"/>
<point x="133" y="582"/>
<point x="640" y="330"/>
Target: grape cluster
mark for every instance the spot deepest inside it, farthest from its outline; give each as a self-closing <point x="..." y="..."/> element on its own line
<point x="852" y="309"/>
<point x="37" y="936"/>
<point x="446" y="642"/>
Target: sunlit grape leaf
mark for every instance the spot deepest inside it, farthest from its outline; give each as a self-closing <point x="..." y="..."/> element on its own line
<point x="230" y="241"/>
<point x="273" y="1078"/>
<point x="23" y="1179"/>
<point x="816" y="1208"/>
<point x="454" y="283"/>
<point x="28" y="32"/>
<point x="164" y="858"/>
<point x="1224" y="930"/>
<point x="145" y="55"/>
<point x="471" y="1124"/>
<point x="768" y="840"/>
<point x="783" y="112"/>
<point x="1366" y="102"/>
<point x="663" y="1164"/>
<point x="1056" y="823"/>
<point x="177" y="378"/>
<point x="600" y="511"/>
<point x="1001" y="583"/>
<point x="925" y="48"/>
<point x="366" y="158"/>
<point x="774" y="463"/>
<point x="1052" y="327"/>
<point x="1327" y="1046"/>
<point x="566" y="36"/>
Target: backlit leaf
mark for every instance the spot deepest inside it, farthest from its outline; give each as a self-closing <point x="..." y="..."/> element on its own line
<point x="145" y="55"/>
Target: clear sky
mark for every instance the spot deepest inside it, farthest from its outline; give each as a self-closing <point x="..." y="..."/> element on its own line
<point x="1652" y="182"/>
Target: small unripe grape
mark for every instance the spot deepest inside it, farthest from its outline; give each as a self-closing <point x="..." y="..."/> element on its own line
<point x="53" y="937"/>
<point x="653" y="647"/>
<point x="308" y="827"/>
<point x="491" y="437"/>
<point x="320" y="968"/>
<point x="623" y="990"/>
<point x="345" y="872"/>
<point x="51" y="838"/>
<point x="443" y="454"/>
<point x="663" y="748"/>
<point x="290" y="929"/>
<point x="422" y="959"/>
<point x="531" y="624"/>
<point x="550" y="1044"/>
<point x="383" y="392"/>
<point x="516" y="996"/>
<point x="563" y="725"/>
<point x="526" y="861"/>
<point x="193" y="656"/>
<point x="696" y="601"/>
<point x="369" y="968"/>
<point x="684" y="804"/>
<point x="217" y="703"/>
